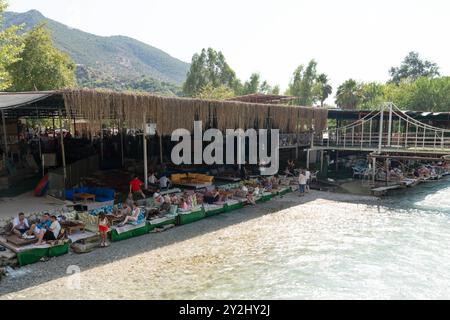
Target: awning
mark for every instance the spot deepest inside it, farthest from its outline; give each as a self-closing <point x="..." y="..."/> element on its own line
<point x="16" y="100"/>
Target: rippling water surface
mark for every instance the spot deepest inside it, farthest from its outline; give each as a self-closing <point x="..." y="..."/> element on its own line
<point x="399" y="249"/>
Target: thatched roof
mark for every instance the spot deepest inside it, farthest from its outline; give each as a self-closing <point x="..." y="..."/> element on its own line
<point x="135" y="109"/>
<point x="263" y="98"/>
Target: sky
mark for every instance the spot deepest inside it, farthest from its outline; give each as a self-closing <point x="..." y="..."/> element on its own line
<point x="359" y="39"/>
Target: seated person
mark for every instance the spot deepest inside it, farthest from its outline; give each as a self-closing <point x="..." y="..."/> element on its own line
<point x="212" y="197"/>
<point x="158" y="198"/>
<point x="268" y="184"/>
<point x="164" y="183"/>
<point x="121" y="210"/>
<point x="20" y="225"/>
<point x="165" y="207"/>
<point x="251" y="199"/>
<point x="134" y="217"/>
<point x="39" y="229"/>
<point x="182" y="205"/>
<point x="52" y="232"/>
<point x="174" y="199"/>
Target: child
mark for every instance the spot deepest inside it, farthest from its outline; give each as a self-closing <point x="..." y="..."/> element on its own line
<point x="103" y="228"/>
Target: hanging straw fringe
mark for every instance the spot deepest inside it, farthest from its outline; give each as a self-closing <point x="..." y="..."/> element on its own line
<point x="170" y="113"/>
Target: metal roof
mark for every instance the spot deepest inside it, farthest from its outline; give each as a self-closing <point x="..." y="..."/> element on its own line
<point x="16" y="100"/>
<point x="42" y="104"/>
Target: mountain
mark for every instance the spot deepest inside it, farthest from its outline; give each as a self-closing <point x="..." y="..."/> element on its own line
<point x="108" y="61"/>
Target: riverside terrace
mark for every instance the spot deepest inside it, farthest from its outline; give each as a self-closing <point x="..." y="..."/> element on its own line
<point x="176" y="207"/>
<point x="110" y="124"/>
<point x="103" y="113"/>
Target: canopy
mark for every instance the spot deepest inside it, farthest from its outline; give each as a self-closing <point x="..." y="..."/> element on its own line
<point x="42" y="104"/>
<point x="15" y="100"/>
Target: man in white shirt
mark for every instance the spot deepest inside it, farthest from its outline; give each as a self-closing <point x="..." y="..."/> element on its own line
<point x="308" y="180"/>
<point x="52" y="233"/>
<point x="164" y="183"/>
<point x="302" y="183"/>
<point x="20" y="225"/>
<point x="152" y="178"/>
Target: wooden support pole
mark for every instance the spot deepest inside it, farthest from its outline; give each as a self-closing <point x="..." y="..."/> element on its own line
<point x="374" y="169"/>
<point x="63" y="152"/>
<point x="308" y="154"/>
<point x="362" y="134"/>
<point x="424" y="135"/>
<point x="321" y="160"/>
<point x="353" y="136"/>
<point x="121" y="143"/>
<point x="390" y="126"/>
<point x="380" y="140"/>
<point x="144" y="143"/>
<point x="337" y="161"/>
<point x="406" y="134"/>
<point x="386" y="164"/>
<point x="161" y="149"/>
<point x="5" y="138"/>
<point x="101" y="140"/>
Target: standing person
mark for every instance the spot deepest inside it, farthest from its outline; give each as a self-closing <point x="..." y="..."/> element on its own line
<point x="103" y="228"/>
<point x="20" y="225"/>
<point x="152" y="179"/>
<point x="301" y="183"/>
<point x="308" y="180"/>
<point x="135" y="187"/>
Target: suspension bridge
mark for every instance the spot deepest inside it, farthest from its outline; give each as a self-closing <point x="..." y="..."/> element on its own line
<point x="387" y="130"/>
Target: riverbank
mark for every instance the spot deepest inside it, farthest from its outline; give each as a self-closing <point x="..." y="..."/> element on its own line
<point x="147" y="267"/>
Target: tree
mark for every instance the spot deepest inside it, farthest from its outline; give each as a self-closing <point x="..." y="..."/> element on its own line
<point x="371" y="95"/>
<point x="209" y="67"/>
<point x="413" y="68"/>
<point x="348" y="95"/>
<point x="322" y="89"/>
<point x="302" y="84"/>
<point x="209" y="92"/>
<point x="252" y="85"/>
<point x="10" y="48"/>
<point x="41" y="65"/>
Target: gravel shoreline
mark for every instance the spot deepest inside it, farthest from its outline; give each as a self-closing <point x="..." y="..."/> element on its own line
<point x="47" y="280"/>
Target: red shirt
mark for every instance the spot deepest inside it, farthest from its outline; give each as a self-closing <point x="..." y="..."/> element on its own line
<point x="135" y="185"/>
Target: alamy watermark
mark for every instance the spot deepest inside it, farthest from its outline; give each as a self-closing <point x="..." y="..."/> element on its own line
<point x="235" y="140"/>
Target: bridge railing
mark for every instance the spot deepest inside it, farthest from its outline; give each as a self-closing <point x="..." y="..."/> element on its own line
<point x="391" y="129"/>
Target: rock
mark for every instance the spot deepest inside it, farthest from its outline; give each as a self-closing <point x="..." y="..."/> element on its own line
<point x="2" y="273"/>
<point x="84" y="247"/>
<point x="8" y="258"/>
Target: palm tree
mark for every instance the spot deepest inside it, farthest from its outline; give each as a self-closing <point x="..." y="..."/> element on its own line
<point x="324" y="89"/>
<point x="348" y="95"/>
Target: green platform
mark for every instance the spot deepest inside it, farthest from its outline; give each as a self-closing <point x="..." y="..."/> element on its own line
<point x="235" y="206"/>
<point x="285" y="191"/>
<point x="35" y="255"/>
<point x="115" y="236"/>
<point x="191" y="217"/>
<point x="152" y="227"/>
<point x="215" y="212"/>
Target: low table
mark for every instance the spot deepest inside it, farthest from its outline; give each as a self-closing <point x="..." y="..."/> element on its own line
<point x="72" y="226"/>
<point x="84" y="196"/>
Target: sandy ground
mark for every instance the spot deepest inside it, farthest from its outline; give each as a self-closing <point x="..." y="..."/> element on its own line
<point x="145" y="267"/>
<point x="27" y="203"/>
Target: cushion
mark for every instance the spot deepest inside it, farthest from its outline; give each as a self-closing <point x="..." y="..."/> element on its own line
<point x="193" y="175"/>
<point x="69" y="194"/>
